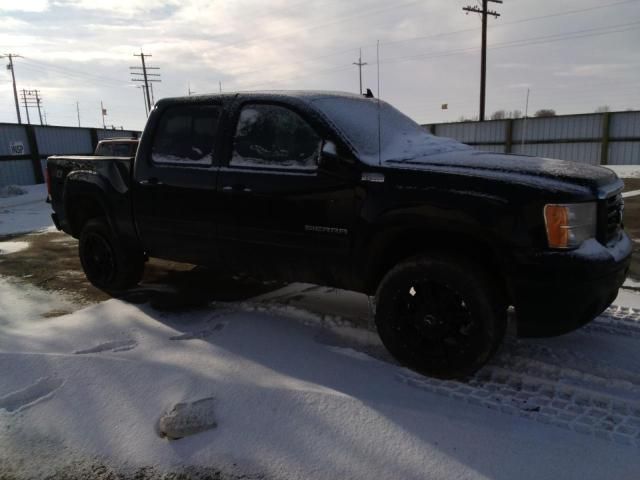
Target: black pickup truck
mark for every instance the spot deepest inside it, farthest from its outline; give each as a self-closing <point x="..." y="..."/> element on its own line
<point x="341" y="190"/>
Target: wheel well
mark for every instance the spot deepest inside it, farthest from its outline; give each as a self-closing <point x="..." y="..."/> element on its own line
<point x="407" y="244"/>
<point x="82" y="208"/>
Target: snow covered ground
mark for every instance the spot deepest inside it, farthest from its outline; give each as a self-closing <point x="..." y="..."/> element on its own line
<point x="298" y="394"/>
<point x="626" y="171"/>
<point x="25" y="212"/>
<point x="292" y="384"/>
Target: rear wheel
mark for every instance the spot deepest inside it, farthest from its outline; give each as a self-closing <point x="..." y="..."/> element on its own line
<point x="441" y="316"/>
<point x="107" y="263"/>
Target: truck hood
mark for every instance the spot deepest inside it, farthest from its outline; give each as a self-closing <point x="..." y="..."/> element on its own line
<point x="520" y="168"/>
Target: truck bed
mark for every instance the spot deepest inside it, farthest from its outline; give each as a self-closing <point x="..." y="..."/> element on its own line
<point x="110" y="175"/>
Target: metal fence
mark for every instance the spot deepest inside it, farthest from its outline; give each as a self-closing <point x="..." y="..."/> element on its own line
<point x="610" y="138"/>
<point x="24" y="148"/>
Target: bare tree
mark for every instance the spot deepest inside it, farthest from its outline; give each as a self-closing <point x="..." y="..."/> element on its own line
<point x="499" y="115"/>
<point x="462" y="118"/>
<point x="603" y="109"/>
<point x="545" y="112"/>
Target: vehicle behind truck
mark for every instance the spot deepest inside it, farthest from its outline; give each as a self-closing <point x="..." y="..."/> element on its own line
<point x="340" y="190"/>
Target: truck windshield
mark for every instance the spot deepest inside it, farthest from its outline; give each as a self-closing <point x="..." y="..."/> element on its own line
<point x="400" y="137"/>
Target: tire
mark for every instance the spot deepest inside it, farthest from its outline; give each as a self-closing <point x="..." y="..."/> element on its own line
<point x="440" y="315"/>
<point x="106" y="262"/>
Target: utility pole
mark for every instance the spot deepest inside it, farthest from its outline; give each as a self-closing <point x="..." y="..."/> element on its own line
<point x="26" y="103"/>
<point x="524" y="122"/>
<point x="153" y="98"/>
<point x="360" y="64"/>
<point x="220" y="85"/>
<point x="11" y="56"/>
<point x="103" y="111"/>
<point x="36" y="92"/>
<point x="189" y="91"/>
<point x="485" y="12"/>
<point x="147" y="77"/>
<point x="31" y="98"/>
<point x="78" y="111"/>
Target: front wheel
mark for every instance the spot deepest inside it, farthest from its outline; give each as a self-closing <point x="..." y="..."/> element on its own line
<point x="440" y="315"/>
<point x="107" y="263"/>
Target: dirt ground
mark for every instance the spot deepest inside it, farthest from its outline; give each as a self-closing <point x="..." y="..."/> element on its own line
<point x="51" y="262"/>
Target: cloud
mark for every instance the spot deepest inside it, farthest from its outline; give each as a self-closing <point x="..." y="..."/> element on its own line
<point x="84" y="48"/>
<point x="24" y="5"/>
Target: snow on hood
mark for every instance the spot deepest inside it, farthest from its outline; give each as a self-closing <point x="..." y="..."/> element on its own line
<point x="543" y="169"/>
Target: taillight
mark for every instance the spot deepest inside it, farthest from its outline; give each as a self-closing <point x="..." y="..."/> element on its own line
<point x="47" y="178"/>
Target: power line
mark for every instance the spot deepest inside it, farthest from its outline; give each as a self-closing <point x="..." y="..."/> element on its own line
<point x="505" y="24"/>
<point x="442" y="34"/>
<point x="447" y="53"/>
<point x="524" y="42"/>
<point x="361" y="14"/>
<point x="485" y="12"/>
<point x="65" y="71"/>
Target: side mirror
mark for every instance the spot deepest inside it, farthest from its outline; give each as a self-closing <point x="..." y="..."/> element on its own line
<point x="336" y="160"/>
<point x="331" y="155"/>
<point x="329" y="150"/>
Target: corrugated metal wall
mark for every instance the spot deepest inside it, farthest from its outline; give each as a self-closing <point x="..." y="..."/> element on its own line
<point x="576" y="152"/>
<point x="571" y="137"/>
<point x="579" y="127"/>
<point x="11" y="135"/>
<point x="17" y="172"/>
<point x="16" y="159"/>
<point x="63" y="141"/>
<point x="625" y="125"/>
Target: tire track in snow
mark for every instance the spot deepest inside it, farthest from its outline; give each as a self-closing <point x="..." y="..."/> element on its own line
<point x="615" y="320"/>
<point x="556" y="386"/>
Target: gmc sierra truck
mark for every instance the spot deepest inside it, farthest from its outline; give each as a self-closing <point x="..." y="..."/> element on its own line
<point x="342" y="190"/>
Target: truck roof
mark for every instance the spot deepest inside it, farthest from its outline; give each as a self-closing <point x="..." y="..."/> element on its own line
<point x="305" y="96"/>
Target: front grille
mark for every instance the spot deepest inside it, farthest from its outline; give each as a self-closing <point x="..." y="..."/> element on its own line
<point x="614" y="207"/>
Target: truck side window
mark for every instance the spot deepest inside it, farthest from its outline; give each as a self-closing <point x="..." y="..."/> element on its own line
<point x="185" y="135"/>
<point x="104" y="149"/>
<point x="273" y="136"/>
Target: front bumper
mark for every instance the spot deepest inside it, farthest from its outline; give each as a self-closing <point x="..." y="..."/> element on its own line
<point x="556" y="292"/>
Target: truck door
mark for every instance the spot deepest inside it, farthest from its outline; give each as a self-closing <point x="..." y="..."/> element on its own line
<point x="282" y="213"/>
<point x="174" y="185"/>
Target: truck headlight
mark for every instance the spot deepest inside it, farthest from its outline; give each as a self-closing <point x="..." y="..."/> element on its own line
<point x="570" y="224"/>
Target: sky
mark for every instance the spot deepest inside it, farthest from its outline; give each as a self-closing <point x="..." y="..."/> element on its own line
<point x="573" y="56"/>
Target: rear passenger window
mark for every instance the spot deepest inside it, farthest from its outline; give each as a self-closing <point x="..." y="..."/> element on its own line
<point x="121" y="149"/>
<point x="273" y="136"/>
<point x="104" y="149"/>
<point x="185" y="135"/>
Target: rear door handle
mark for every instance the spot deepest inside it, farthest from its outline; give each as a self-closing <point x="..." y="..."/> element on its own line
<point x="151" y="181"/>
